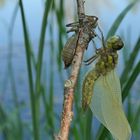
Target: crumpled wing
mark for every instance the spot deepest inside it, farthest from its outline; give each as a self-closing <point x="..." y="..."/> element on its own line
<point x="106" y="105"/>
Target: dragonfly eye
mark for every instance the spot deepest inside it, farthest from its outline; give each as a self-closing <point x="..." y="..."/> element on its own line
<point x="116" y="42"/>
<point x="118" y="45"/>
<point x="95" y="18"/>
<point x="93" y="21"/>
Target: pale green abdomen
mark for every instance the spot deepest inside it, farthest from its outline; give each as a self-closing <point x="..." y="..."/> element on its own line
<point x="87" y="88"/>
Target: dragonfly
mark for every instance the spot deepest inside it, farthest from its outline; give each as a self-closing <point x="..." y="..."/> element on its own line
<point x="101" y="89"/>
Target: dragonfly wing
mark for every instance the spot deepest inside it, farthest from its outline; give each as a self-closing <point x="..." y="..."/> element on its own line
<point x="96" y="106"/>
<point x="107" y="106"/>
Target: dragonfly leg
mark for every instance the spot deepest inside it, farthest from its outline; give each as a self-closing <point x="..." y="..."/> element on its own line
<point x="73" y="29"/>
<point x="102" y="36"/>
<point x="90" y="60"/>
<point x="94" y="45"/>
<point x="72" y="24"/>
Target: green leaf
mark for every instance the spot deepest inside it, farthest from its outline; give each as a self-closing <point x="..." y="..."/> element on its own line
<point x="131" y="81"/>
<point x="75" y="133"/>
<point x="136" y="119"/>
<point x="119" y="19"/>
<point x="89" y="131"/>
<point x="130" y="62"/>
<point x="102" y="133"/>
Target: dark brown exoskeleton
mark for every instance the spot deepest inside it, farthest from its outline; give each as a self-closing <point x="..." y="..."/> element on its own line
<point x="68" y="52"/>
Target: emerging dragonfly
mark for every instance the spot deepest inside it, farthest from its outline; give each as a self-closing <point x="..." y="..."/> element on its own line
<point x="101" y="90"/>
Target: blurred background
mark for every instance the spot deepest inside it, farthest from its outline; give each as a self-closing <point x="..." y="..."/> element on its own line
<point x="32" y="74"/>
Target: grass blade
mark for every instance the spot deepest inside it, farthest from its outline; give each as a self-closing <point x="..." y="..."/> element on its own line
<point x="39" y="61"/>
<point x="119" y="19"/>
<point x="136" y="119"/>
<point x="11" y="73"/>
<point x="130" y="62"/>
<point x="102" y="133"/>
<point x="131" y="81"/>
<point x="88" y="127"/>
<point x="41" y="43"/>
<point x="3" y="120"/>
<point x="75" y="133"/>
<point x="30" y="78"/>
<point x="61" y="33"/>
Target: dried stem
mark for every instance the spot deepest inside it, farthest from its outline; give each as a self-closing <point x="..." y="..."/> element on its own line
<point x="67" y="113"/>
<point x="80" y="7"/>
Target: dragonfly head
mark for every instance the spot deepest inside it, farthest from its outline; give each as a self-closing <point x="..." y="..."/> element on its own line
<point x="90" y="21"/>
<point x="94" y="22"/>
<point x="115" y="42"/>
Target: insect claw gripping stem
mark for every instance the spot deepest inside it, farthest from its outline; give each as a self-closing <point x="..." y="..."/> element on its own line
<point x="72" y="24"/>
<point x="72" y="30"/>
<point x="74" y="27"/>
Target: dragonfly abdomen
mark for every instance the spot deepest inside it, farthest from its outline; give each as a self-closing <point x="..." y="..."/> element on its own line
<point x="87" y="88"/>
<point x="69" y="50"/>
